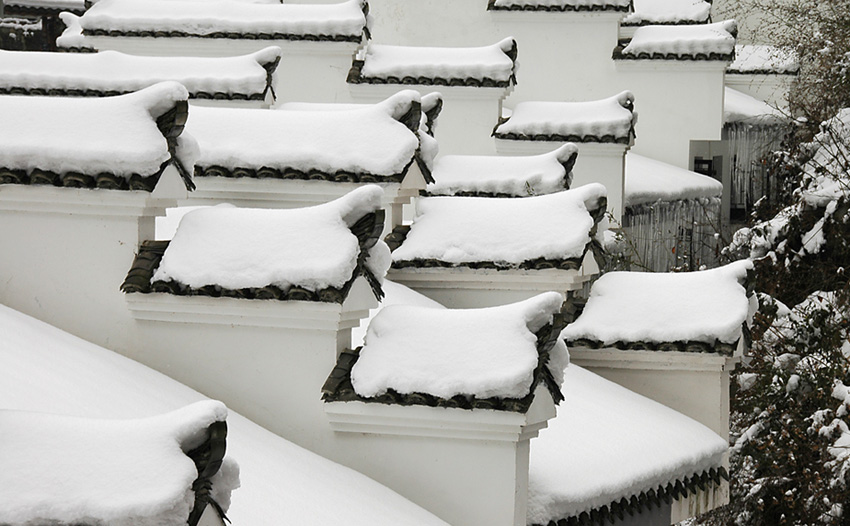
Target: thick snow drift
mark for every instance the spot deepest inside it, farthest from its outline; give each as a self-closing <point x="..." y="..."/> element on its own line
<point x="116" y="135"/>
<point x="487" y="353"/>
<point x="750" y="58"/>
<point x="699" y="306"/>
<point x="114" y="71"/>
<point x="119" y="472"/>
<point x="487" y="62"/>
<point x="668" y="12"/>
<point x="236" y="248"/>
<point x="504" y="231"/>
<point x="47" y="370"/>
<point x="611" y="117"/>
<point x="648" y="181"/>
<point x="344" y="19"/>
<point x="519" y="176"/>
<point x="363" y="140"/>
<point x="685" y="41"/>
<point x="611" y="443"/>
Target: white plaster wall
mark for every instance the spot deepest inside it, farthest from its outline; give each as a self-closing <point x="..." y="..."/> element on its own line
<point x="465" y="482"/>
<point x="695" y="386"/>
<point x="677" y="102"/>
<point x="772" y="89"/>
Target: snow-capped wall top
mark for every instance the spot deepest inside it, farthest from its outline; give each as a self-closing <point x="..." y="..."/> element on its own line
<point x="488" y="66"/>
<point x="687" y="42"/>
<point x="77" y="6"/>
<point x="668" y="12"/>
<point x="377" y="140"/>
<point x="583" y="462"/>
<point x="649" y="181"/>
<point x="507" y="232"/>
<point x="559" y="5"/>
<point x="485" y="353"/>
<point x="240" y="248"/>
<point x="742" y="108"/>
<point x="504" y="176"/>
<point x="117" y="472"/>
<point x="123" y="138"/>
<point x="761" y="59"/>
<point x="111" y="72"/>
<point x="345" y="21"/>
<point x="706" y="306"/>
<point x="318" y="491"/>
<point x="606" y="120"/>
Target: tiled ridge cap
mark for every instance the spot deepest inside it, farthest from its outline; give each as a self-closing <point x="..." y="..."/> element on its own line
<point x="734" y="71"/>
<point x="75" y="92"/>
<point x="355" y="76"/>
<point x="338" y="387"/>
<point x="367" y="230"/>
<point x="207" y="458"/>
<point x="233" y="35"/>
<point x="645" y="500"/>
<point x="667" y="23"/>
<point x="399" y="234"/>
<point x="726" y="349"/>
<point x="265" y="172"/>
<point x="567" y="163"/>
<point x="566" y="8"/>
<point x="432" y="112"/>
<point x="170" y="124"/>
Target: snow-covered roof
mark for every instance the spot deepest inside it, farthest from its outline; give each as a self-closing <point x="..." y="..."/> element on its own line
<point x="311" y="254"/>
<point x="119" y="472"/>
<point x="47" y="370"/>
<point x="762" y="59"/>
<point x="374" y="143"/>
<point x="111" y="73"/>
<point x="559" y="5"/>
<point x="651" y="12"/>
<point x="341" y="22"/>
<point x="43" y="7"/>
<point x="504" y="176"/>
<point x="707" y="308"/>
<point x="650" y="181"/>
<point x="550" y="230"/>
<point x="607" y="120"/>
<point x="738" y="107"/>
<point x="681" y="42"/>
<point x="616" y="452"/>
<point x="487" y="66"/>
<point x="122" y="142"/>
<point x="491" y="358"/>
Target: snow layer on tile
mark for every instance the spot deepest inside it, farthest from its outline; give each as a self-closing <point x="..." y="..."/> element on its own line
<point x="366" y="140"/>
<point x="74" y="5"/>
<point x="504" y="231"/>
<point x="114" y="71"/>
<point x="119" y="472"/>
<point x="486" y="353"/>
<point x="609" y="443"/>
<point x="204" y="18"/>
<point x="519" y="176"/>
<point x="116" y="135"/>
<point x="686" y="40"/>
<point x="668" y="12"/>
<point x="743" y="108"/>
<point x="752" y="58"/>
<point x="649" y="180"/>
<point x="487" y="62"/>
<point x="394" y="294"/>
<point x="699" y="306"/>
<point x="600" y="118"/>
<point x="562" y="3"/>
<point x="239" y="248"/>
<point x="48" y="370"/>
